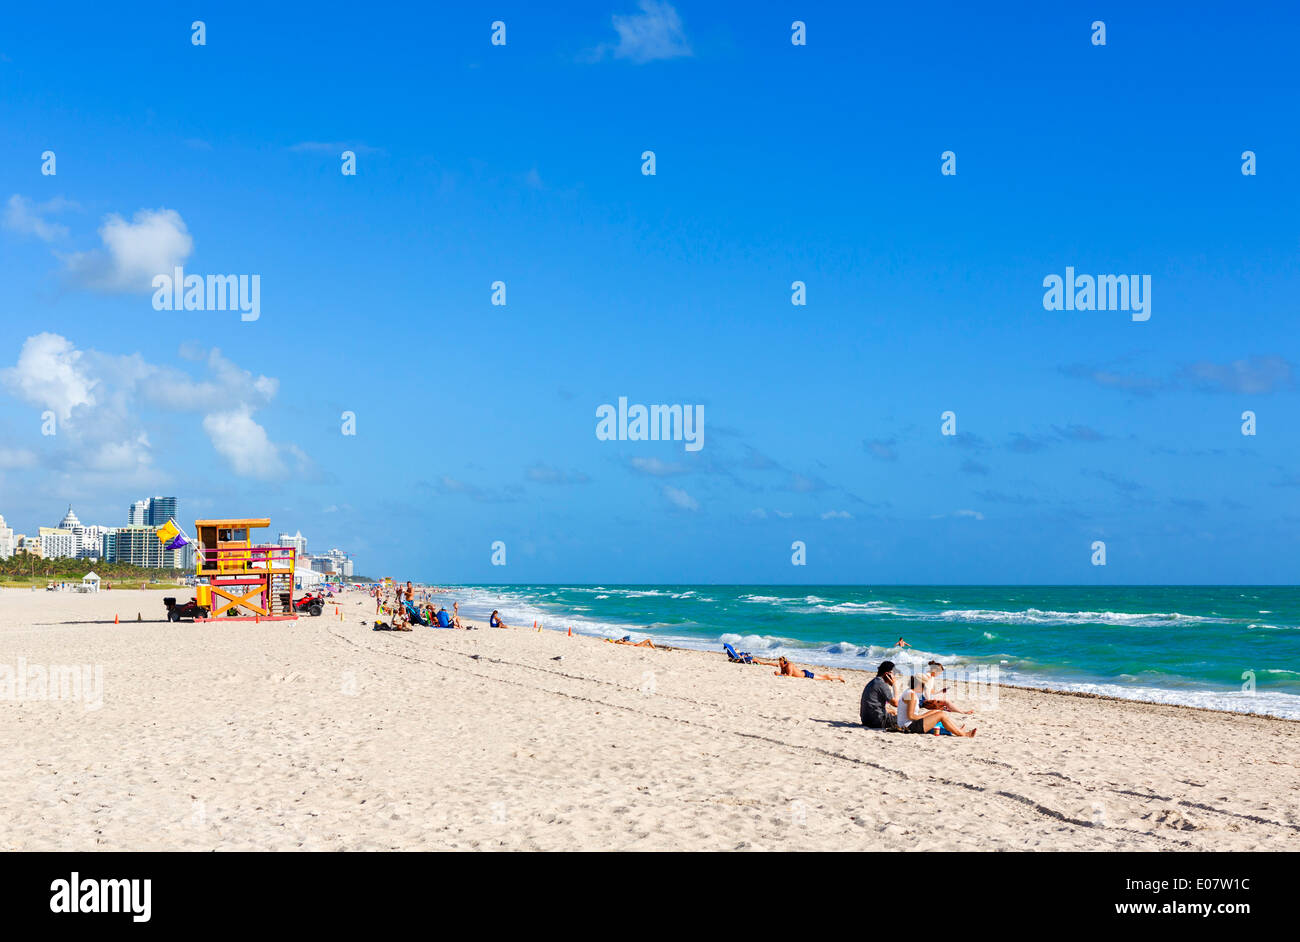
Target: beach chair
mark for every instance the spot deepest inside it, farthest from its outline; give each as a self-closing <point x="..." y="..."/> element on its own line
<point x="415" y="614"/>
<point x="742" y="657"/>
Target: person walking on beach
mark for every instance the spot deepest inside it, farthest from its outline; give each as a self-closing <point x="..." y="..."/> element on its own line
<point x="879" y="706"/>
<point x="913" y="719"/>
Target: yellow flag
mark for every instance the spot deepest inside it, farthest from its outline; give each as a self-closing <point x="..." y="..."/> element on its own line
<point x="167" y="532"/>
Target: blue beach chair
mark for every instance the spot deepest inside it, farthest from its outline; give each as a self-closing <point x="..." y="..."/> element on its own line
<point x="743" y="657"/>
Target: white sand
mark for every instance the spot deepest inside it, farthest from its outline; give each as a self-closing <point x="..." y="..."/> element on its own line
<point x="322" y="734"/>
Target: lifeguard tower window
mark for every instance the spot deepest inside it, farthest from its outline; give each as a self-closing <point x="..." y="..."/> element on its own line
<point x="232" y="536"/>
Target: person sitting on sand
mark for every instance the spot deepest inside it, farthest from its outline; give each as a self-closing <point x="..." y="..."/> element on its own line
<point x="455" y="615"/>
<point x="878" y="708"/>
<point x="786" y="669"/>
<point x="444" y="618"/>
<point x="928" y="701"/>
<point x="496" y="622"/>
<point x="913" y="719"/>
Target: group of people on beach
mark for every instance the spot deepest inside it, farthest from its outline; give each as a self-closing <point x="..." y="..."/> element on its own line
<point x="911" y="706"/>
<point x="403" y="610"/>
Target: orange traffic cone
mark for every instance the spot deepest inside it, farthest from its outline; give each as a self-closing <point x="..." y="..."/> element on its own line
<point x="570" y="631"/>
<point x="115" y="619"/>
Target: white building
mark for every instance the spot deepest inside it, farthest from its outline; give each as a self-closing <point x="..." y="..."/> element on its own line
<point x="138" y="514"/>
<point x="6" y="539"/>
<point x="297" y="541"/>
<point x="55" y="542"/>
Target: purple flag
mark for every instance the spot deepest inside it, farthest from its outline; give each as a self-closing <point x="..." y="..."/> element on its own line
<point x="177" y="543"/>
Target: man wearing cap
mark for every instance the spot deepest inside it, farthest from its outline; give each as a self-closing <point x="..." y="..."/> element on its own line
<point x="879" y="706"/>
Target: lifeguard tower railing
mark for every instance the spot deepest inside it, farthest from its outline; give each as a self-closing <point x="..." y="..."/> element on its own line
<point x="256" y="560"/>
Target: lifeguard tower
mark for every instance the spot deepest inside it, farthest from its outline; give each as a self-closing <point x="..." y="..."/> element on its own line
<point x="238" y="579"/>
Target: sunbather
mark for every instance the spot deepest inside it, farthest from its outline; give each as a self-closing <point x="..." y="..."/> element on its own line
<point x="627" y="639"/>
<point x="496" y="622"/>
<point x="786" y="669"/>
<point x="913" y="719"/>
<point x="455" y="615"/>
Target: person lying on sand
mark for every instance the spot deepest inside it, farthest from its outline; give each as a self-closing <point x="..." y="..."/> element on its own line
<point x="789" y="670"/>
<point x="496" y="622"/>
<point x="929" y="679"/>
<point x="913" y="719"/>
<point x="647" y="643"/>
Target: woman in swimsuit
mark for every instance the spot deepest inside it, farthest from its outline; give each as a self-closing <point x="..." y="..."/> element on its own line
<point x="913" y="719"/>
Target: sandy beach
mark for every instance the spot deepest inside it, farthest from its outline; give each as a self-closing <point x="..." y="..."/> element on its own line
<point x="321" y="734"/>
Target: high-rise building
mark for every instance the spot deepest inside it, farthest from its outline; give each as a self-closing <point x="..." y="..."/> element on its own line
<point x="56" y="542"/>
<point x="160" y="510"/>
<point x="297" y="541"/>
<point x="136" y="516"/>
<point x="140" y="546"/>
<point x="6" y="539"/>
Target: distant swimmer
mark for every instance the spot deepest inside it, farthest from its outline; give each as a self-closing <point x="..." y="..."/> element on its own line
<point x="900" y="643"/>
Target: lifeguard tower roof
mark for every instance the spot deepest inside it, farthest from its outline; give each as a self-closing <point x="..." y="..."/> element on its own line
<point x="247" y="522"/>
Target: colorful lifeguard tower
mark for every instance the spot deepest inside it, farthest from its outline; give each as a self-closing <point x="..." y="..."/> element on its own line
<point x="238" y="579"/>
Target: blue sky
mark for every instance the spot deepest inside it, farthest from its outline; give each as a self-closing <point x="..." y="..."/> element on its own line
<point x="775" y="163"/>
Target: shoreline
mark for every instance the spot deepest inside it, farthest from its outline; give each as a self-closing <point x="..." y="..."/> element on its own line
<point x="691" y="644"/>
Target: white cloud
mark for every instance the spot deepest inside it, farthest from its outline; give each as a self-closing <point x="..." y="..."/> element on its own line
<point x="101" y="399"/>
<point x="26" y="218"/>
<point x="758" y="513"/>
<point x="241" y="441"/>
<point x="679" y="498"/>
<point x="50" y="374"/>
<point x="837" y="515"/>
<point x="152" y="243"/>
<point x="656" y="467"/>
<point x="16" y="458"/>
<point x="333" y="147"/>
<point x="121" y="457"/>
<point x="968" y="514"/>
<point x="654" y="33"/>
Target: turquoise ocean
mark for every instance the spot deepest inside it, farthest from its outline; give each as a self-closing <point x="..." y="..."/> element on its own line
<point x="1226" y="647"/>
